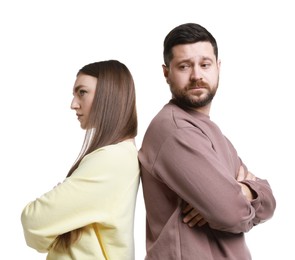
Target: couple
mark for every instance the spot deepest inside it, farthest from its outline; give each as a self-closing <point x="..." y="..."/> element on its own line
<point x="200" y="197"/>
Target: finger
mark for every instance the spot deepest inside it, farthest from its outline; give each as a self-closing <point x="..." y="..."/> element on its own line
<point x="195" y="221"/>
<point x="202" y="222"/>
<point x="192" y="214"/>
<point x="250" y="176"/>
<point x="241" y="174"/>
<point x="187" y="208"/>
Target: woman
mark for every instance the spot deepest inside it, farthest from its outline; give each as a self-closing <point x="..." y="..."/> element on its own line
<point x="91" y="214"/>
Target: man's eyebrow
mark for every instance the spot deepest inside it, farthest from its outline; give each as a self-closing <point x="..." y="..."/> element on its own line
<point x="207" y="58"/>
<point x="202" y="58"/>
<point x="185" y="60"/>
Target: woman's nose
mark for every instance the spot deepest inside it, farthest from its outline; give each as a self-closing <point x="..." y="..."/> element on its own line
<point x="74" y="104"/>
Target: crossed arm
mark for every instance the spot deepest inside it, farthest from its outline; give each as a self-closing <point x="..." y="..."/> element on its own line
<point x="193" y="217"/>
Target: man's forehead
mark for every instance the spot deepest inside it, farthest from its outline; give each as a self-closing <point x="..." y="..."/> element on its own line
<point x="193" y="50"/>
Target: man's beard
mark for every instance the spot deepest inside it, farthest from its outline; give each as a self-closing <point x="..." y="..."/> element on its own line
<point x="186" y="99"/>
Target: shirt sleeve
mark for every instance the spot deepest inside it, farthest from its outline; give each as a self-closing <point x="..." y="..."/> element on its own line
<point x="200" y="178"/>
<point x="90" y="195"/>
<point x="265" y="203"/>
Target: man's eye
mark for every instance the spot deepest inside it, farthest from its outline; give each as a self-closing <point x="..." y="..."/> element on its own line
<point x="206" y="65"/>
<point x="184" y="66"/>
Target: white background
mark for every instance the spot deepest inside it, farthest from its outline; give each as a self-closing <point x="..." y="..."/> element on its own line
<point x="44" y="43"/>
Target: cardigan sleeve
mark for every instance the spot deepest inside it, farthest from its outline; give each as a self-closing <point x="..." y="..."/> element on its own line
<point x="90" y="195"/>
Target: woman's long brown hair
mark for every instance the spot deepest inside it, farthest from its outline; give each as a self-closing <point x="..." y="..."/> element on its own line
<point x="113" y="118"/>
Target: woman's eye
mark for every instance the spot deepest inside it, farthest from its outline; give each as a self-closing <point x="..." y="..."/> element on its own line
<point x="82" y="92"/>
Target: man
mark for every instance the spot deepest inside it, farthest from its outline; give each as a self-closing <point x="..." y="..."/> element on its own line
<point x="199" y="196"/>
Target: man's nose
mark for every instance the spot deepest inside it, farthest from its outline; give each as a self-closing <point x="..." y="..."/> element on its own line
<point x="196" y="74"/>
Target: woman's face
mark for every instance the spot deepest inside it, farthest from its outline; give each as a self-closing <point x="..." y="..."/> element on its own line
<point x="83" y="92"/>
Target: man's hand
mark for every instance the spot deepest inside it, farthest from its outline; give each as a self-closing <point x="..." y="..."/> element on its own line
<point x="242" y="175"/>
<point x="192" y="217"/>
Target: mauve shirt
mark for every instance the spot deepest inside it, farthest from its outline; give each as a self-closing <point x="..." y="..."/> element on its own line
<point x="185" y="158"/>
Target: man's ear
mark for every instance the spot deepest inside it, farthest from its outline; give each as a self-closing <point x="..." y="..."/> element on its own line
<point x="165" y="71"/>
<point x="219" y="65"/>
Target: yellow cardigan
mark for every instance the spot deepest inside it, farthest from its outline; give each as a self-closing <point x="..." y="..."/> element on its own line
<point x="99" y="196"/>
